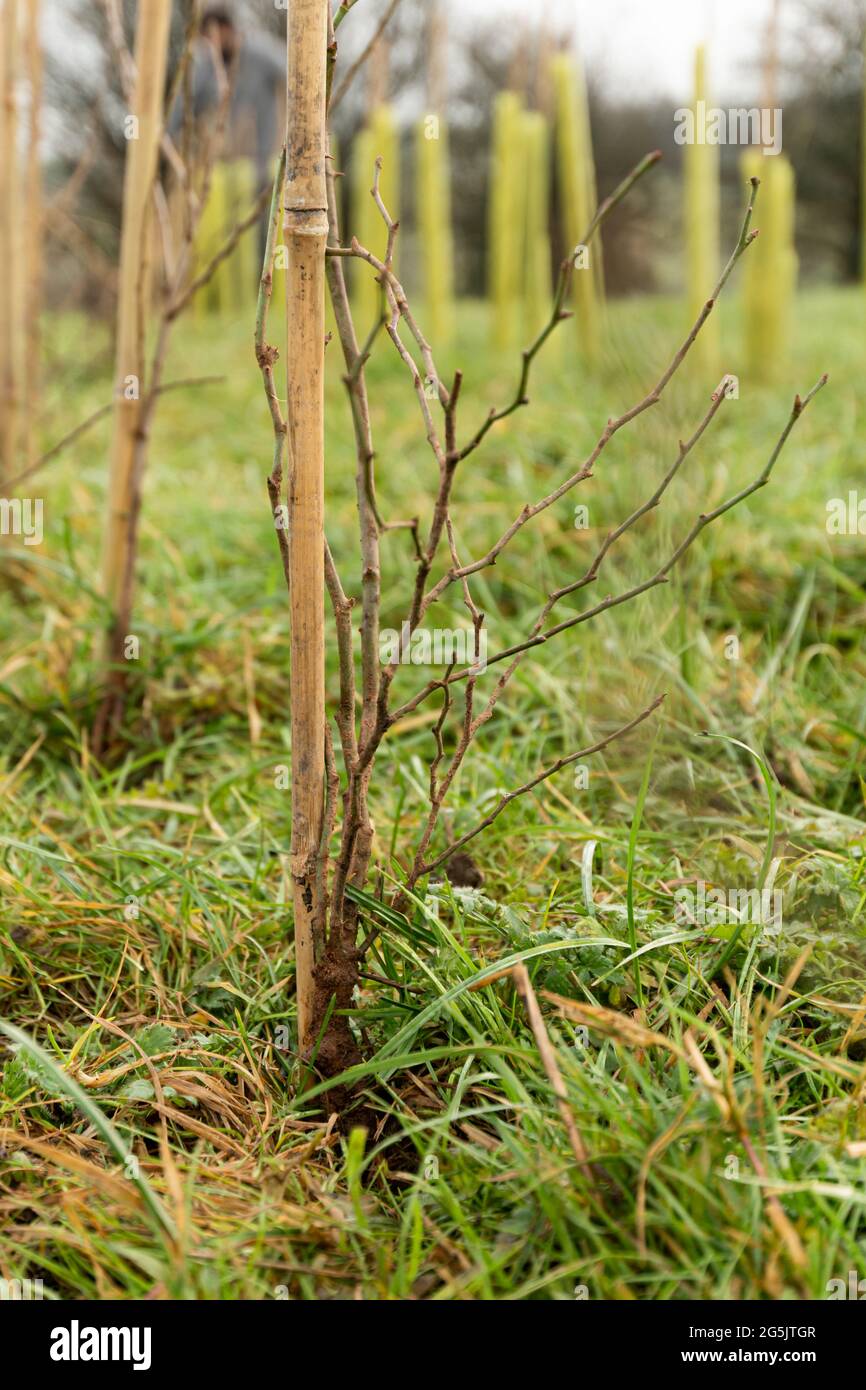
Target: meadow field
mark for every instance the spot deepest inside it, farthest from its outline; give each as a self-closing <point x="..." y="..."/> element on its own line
<point x="715" y="1072"/>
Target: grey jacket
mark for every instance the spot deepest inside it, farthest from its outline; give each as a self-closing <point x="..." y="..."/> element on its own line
<point x="258" y="83"/>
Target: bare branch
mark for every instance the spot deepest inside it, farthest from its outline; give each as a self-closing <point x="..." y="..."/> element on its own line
<point x="366" y="51"/>
<point x="180" y="302"/>
<point x="660" y="577"/>
<point x="421" y="600"/>
<point x="94" y="419"/>
<point x="558" y="313"/>
<point x="613" y="425"/>
<point x="122" y="56"/>
<point x="542" y="776"/>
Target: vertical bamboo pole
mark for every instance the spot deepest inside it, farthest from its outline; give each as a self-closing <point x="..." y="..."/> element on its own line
<point x="151" y="45"/>
<point x="306" y="232"/>
<point x="33" y="249"/>
<point x="10" y="383"/>
<point x="769" y="285"/>
<point x="771" y="58"/>
<point x="863" y="173"/>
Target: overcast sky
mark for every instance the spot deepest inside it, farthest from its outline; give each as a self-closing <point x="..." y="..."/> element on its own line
<point x="647" y="46"/>
<point x="640" y="47"/>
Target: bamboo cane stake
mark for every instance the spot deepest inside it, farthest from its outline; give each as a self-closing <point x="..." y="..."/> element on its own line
<point x="151" y="45"/>
<point x="863" y="175"/>
<point x="9" y="195"/>
<point x="306" y="232"/>
<point x="33" y="249"/>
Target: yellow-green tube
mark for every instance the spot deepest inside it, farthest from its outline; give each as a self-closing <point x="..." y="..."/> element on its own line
<point x="702" y="223"/>
<point x="380" y="138"/>
<point x="436" y="245"/>
<point x="537" y="284"/>
<point x="769" y="266"/>
<point x="506" y="218"/>
<point x="577" y="198"/>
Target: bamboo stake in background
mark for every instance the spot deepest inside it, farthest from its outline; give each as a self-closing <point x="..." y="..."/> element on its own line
<point x="33" y="223"/>
<point x="144" y="127"/>
<point x="306" y="233"/>
<point x="863" y="175"/>
<point x="770" y="282"/>
<point x="10" y="374"/>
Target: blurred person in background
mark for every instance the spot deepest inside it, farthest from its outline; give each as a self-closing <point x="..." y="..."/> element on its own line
<point x="255" y="64"/>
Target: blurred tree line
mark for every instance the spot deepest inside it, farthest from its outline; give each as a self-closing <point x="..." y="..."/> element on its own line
<point x="823" y="136"/>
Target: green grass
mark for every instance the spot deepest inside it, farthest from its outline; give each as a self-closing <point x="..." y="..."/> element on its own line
<point x="144" y="929"/>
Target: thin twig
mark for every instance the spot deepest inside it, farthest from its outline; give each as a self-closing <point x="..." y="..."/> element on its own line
<point x="94" y="419"/>
<point x="179" y="303"/>
<point x="366" y="51"/>
<point x="534" y="781"/>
